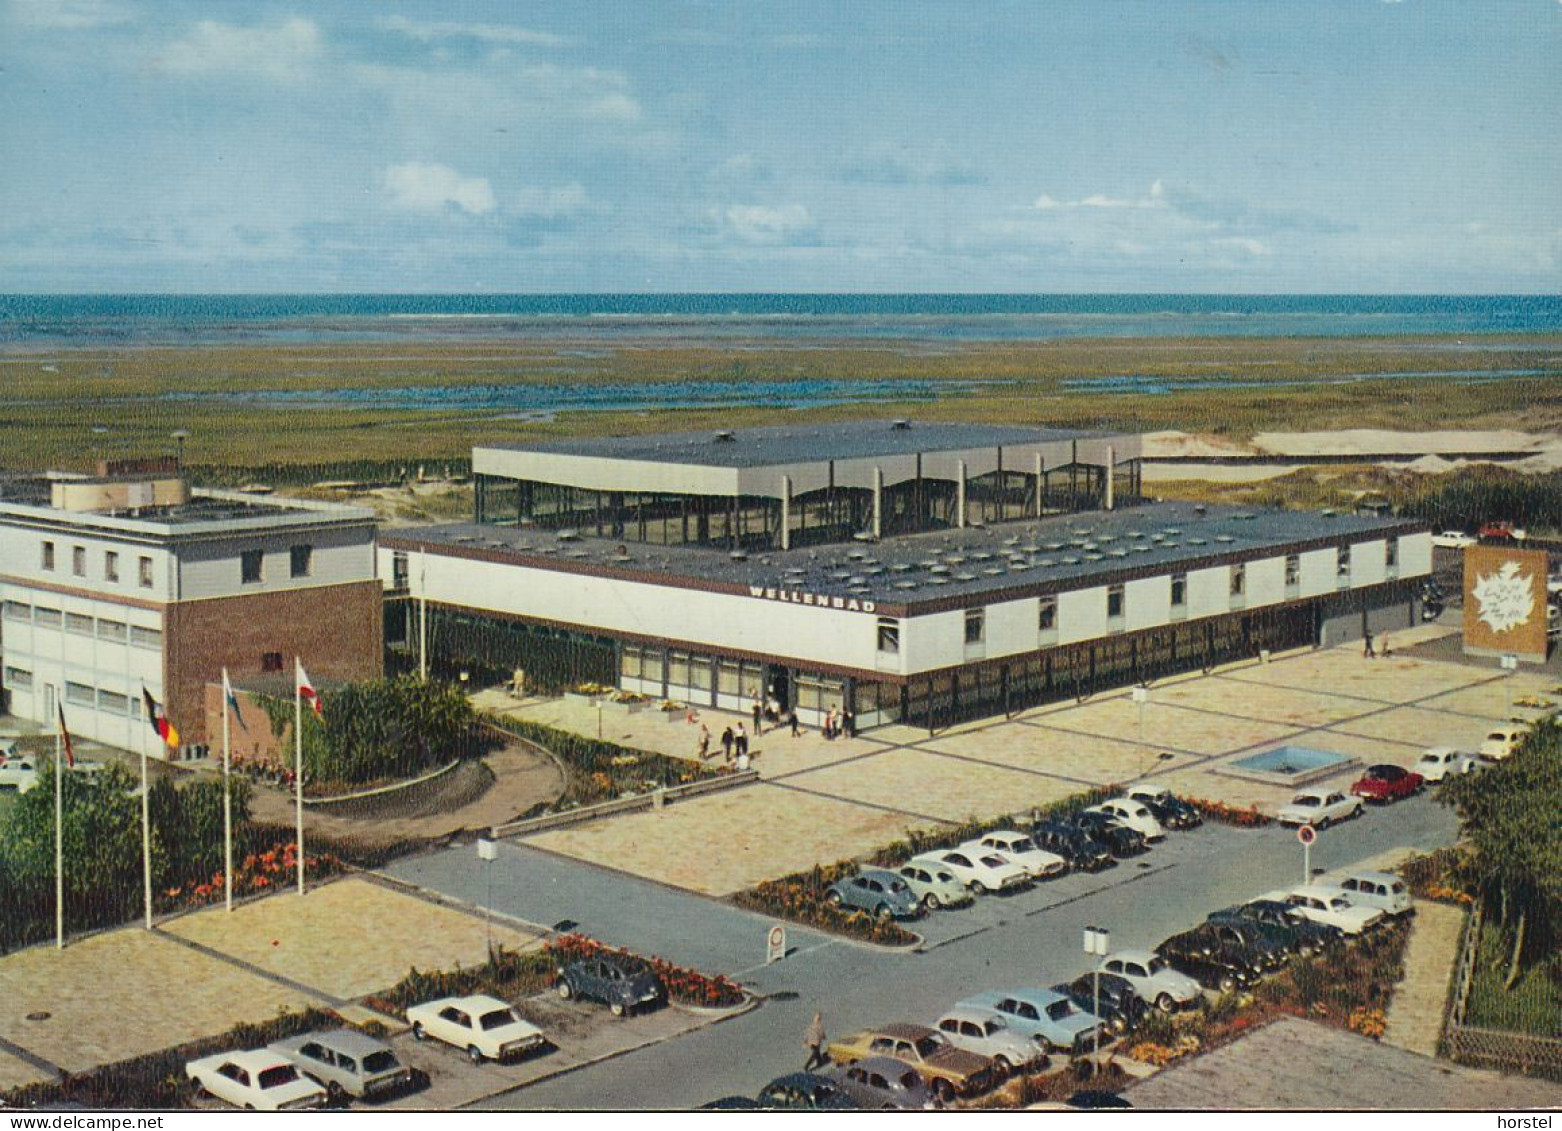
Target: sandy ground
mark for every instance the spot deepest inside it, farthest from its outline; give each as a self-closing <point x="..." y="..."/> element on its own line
<point x="1428" y="453"/>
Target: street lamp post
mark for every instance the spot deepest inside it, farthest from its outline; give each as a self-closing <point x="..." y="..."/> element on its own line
<point x="488" y="852"/>
<point x="1098" y="943"/>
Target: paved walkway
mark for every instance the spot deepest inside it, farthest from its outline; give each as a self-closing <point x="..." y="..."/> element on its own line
<point x="1415" y="1018"/>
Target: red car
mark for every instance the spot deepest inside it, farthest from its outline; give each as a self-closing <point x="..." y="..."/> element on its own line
<point x="1501" y="532"/>
<point x="1387" y="783"/>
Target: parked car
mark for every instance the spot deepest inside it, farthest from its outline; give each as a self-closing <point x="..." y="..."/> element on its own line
<point x="1169" y="809"/>
<point x="1503" y="742"/>
<point x="935" y="887"/>
<point x="19" y="772"/>
<point x="948" y="1071"/>
<point x="255" y="1079"/>
<point x="1153" y="979"/>
<point x="1048" y="1017"/>
<point x="881" y="1083"/>
<point x="1454" y="540"/>
<point x="1328" y="906"/>
<point x="1121" y="1007"/>
<point x="1383" y="890"/>
<point x="1074" y="844"/>
<point x="1119" y="838"/>
<point x="1133" y="814"/>
<point x="622" y="984"/>
<point x="1245" y="943"/>
<point x="1211" y="966"/>
<point x="1283" y="922"/>
<point x="986" y="1033"/>
<point x="980" y="872"/>
<point x="1438" y="762"/>
<point x="805" y="1091"/>
<point x="1503" y="532"/>
<point x="1024" y="851"/>
<point x="347" y="1062"/>
<point x="1387" y="782"/>
<point x="1319" y="809"/>
<point x="878" y="892"/>
<point x="484" y="1026"/>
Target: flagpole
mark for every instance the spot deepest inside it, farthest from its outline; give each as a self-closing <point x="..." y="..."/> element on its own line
<point x="423" y="614"/>
<point x="298" y="763"/>
<point x="59" y="839"/>
<point x="146" y="838"/>
<point x="227" y="800"/>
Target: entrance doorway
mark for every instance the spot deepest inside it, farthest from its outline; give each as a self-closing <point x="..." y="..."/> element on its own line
<point x="778" y="689"/>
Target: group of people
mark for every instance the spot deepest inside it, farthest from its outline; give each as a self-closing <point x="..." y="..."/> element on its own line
<point x="734" y="745"/>
<point x="839" y="724"/>
<point x="735" y="738"/>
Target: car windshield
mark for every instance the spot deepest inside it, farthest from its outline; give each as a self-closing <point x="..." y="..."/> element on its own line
<point x="495" y="1019"/>
<point x="1307" y="801"/>
<point x="382" y="1061"/>
<point x="276" y="1077"/>
<point x="929" y="1045"/>
<point x="1022" y="844"/>
<point x="1058" y="1010"/>
<point x="1397" y="887"/>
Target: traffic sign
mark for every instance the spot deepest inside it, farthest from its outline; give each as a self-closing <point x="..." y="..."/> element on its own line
<point x="1306" y="834"/>
<point x="775" y="944"/>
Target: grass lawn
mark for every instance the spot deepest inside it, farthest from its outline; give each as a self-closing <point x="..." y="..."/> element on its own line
<point x="1531" y="1006"/>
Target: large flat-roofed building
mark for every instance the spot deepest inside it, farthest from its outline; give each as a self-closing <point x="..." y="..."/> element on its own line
<point x="113" y="583"/>
<point x="970" y="616"/>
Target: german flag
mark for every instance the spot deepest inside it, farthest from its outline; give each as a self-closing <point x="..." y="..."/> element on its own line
<point x="154" y="715"/>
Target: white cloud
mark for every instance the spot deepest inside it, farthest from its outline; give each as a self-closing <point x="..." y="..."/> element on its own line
<point x="1243" y="243"/>
<point x="70" y="15"/>
<point x="425" y="31"/>
<point x="757" y="223"/>
<point x="1155" y="199"/>
<point x="283" y="52"/>
<point x="589" y="91"/>
<point x="550" y="203"/>
<point x="433" y="188"/>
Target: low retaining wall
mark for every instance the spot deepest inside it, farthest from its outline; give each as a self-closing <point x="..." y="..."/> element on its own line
<point x="624" y="805"/>
<point x="381" y="791"/>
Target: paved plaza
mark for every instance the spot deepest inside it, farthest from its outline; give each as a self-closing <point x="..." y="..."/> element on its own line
<point x="820" y="801"/>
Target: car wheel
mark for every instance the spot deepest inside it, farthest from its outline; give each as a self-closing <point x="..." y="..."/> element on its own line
<point x="201" y="1092"/>
<point x="883" y="912"/>
<point x="474" y="1054"/>
<point x="617" y="1008"/>
<point x="335" y="1091"/>
<point x="1166" y="1003"/>
<point x="1001" y="1068"/>
<point x="978" y="888"/>
<point x="418" y="1032"/>
<point x="930" y="901"/>
<point x="1227" y="983"/>
<point x="566" y="991"/>
<point x="1322" y="823"/>
<point x="833" y="899"/>
<point x="945" y="1091"/>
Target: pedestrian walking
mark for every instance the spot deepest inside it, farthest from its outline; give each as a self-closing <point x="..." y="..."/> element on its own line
<point x="727" y="739"/>
<point x="704" y="742"/>
<point x="849" y="724"/>
<point x="759" y="714"/>
<point x="740" y="742"/>
<point x="1367" y="651"/>
<point x="813" y="1041"/>
<point x="791" y="718"/>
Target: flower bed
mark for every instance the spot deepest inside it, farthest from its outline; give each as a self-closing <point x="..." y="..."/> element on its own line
<point x="800" y="898"/>
<point x="686" y="986"/>
<point x="259" y="872"/>
<point x="1236" y="815"/>
<point x="507" y="974"/>
<point x="1440" y="876"/>
<point x="602" y="771"/>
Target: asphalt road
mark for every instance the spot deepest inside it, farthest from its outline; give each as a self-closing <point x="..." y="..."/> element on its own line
<point x="1031" y="939"/>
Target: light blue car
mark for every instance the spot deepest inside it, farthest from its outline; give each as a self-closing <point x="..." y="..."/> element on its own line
<point x="880" y="893"/>
<point x="1046" y="1015"/>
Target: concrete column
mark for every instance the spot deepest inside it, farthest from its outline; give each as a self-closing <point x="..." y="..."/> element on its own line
<point x="786" y="512"/>
<point x="1041" y="472"/>
<point x="1111" y="475"/>
<point x="878" y="502"/>
<point x="960" y="496"/>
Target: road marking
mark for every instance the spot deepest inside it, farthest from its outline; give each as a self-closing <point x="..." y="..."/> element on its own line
<point x="738" y="974"/>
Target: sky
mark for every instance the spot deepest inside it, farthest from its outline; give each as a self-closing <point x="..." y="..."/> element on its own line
<point x="1375" y="146"/>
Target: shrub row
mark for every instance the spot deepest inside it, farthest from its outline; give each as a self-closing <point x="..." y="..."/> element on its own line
<point x="1219" y="811"/>
<point x="690" y="987"/>
<point x="800" y="898"/>
<point x="157" y="1080"/>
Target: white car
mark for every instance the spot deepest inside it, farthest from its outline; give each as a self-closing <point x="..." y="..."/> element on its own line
<point x="1438" y="762"/>
<point x="1133" y="814"/>
<point x="984" y="1032"/>
<point x="1152" y="979"/>
<point x="1319" y="809"/>
<point x="19" y="772"/>
<point x="982" y="872"/>
<point x="1454" y="540"/>
<point x="935" y="886"/>
<point x="1330" y="907"/>
<point x="1022" y="850"/>
<point x="484" y="1026"/>
<point x="257" y="1080"/>
<point x="1383" y="890"/>
<point x="1503" y="741"/>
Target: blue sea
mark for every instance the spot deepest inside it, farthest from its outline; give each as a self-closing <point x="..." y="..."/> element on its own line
<point x="33" y="322"/>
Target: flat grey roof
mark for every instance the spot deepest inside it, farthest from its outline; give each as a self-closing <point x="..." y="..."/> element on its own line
<point x="803" y="443"/>
<point x="1064" y="552"/>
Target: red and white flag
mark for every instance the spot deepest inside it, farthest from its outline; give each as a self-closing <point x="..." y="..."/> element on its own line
<point x="306" y="690"/>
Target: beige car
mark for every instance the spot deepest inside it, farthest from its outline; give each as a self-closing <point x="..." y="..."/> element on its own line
<point x="1502" y="742"/>
<point x="948" y="1071"/>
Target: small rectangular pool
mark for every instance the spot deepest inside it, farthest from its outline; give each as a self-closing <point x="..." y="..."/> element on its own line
<point x="1289" y="765"/>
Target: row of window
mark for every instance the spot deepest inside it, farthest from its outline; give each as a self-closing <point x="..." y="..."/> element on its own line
<point x="252" y="564"/>
<point x="80" y="694"/>
<point x="113" y="631"/>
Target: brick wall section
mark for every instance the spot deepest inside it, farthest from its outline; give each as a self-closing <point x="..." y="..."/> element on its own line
<point x="257" y="744"/>
<point x="338" y="630"/>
